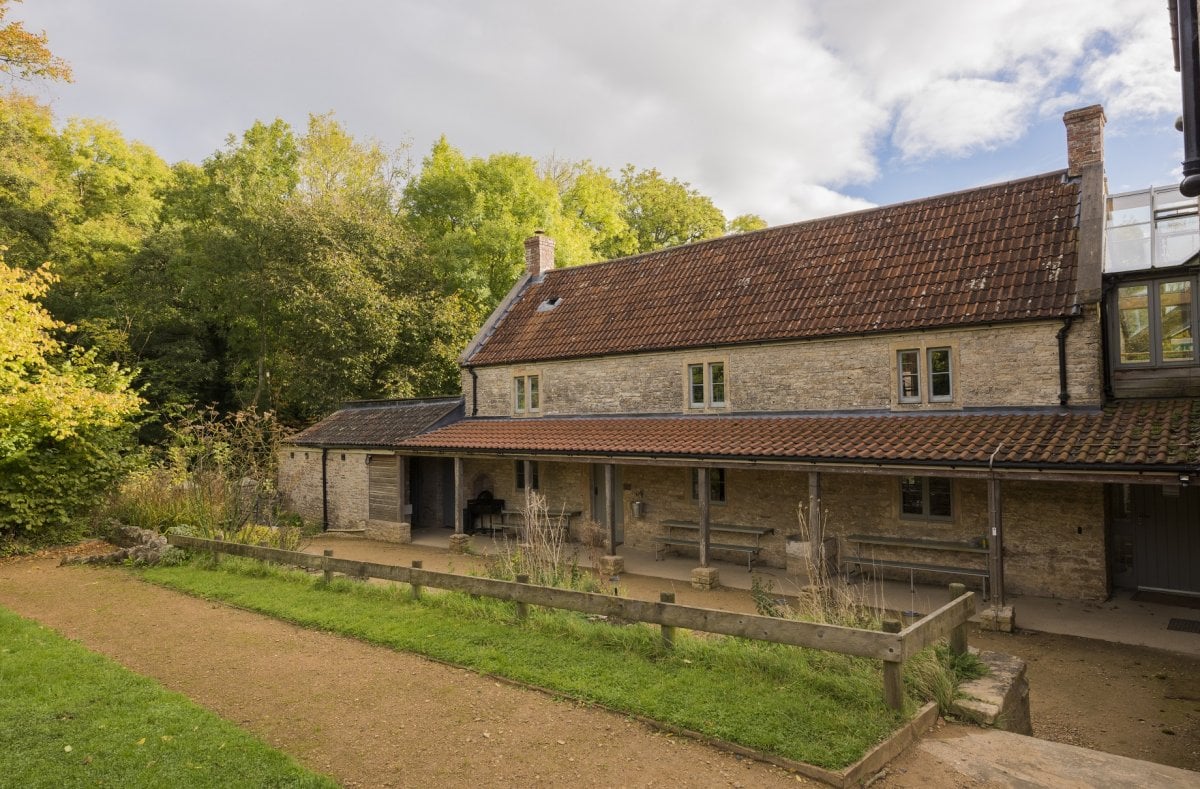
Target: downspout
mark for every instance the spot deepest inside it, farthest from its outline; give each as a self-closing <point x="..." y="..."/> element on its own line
<point x="474" y="391"/>
<point x="1064" y="394"/>
<point x="324" y="490"/>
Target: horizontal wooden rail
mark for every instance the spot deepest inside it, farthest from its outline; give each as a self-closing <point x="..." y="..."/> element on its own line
<point x="892" y="648"/>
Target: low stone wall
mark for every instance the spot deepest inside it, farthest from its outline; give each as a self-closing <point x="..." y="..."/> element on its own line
<point x="389" y="531"/>
<point x="1000" y="699"/>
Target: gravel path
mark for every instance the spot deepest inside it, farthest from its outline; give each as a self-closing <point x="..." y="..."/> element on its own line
<point x="364" y="715"/>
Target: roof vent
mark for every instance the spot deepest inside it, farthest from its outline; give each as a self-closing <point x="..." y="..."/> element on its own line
<point x="549" y="304"/>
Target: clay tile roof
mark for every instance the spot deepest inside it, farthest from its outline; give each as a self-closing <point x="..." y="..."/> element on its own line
<point x="1147" y="434"/>
<point x="379" y="423"/>
<point x="997" y="253"/>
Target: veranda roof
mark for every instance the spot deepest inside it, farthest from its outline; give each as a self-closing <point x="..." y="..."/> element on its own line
<point x="1142" y="436"/>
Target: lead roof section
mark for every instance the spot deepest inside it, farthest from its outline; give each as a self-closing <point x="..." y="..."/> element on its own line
<point x="1145" y="434"/>
<point x="379" y="423"/>
<point x="1005" y="252"/>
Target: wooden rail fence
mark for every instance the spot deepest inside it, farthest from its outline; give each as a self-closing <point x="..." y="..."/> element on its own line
<point x="893" y="648"/>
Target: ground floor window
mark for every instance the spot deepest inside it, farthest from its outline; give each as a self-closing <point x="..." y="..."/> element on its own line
<point x="533" y="468"/>
<point x="926" y="497"/>
<point x="716" y="484"/>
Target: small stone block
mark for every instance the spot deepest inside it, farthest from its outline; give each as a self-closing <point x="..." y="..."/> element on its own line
<point x="706" y="578"/>
<point x="999" y="619"/>
<point x="612" y="565"/>
<point x="459" y="543"/>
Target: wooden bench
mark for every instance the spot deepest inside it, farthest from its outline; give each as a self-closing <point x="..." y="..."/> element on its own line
<point x="515" y="529"/>
<point x="913" y="566"/>
<point x="663" y="542"/>
<point x="751" y="551"/>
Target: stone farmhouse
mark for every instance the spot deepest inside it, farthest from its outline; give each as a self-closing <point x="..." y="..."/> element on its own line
<point x="1000" y="384"/>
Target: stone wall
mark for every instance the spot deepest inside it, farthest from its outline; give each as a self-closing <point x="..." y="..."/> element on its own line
<point x="752" y="498"/>
<point x="300" y="482"/>
<point x="564" y="486"/>
<point x="1053" y="532"/>
<point x="1003" y="365"/>
<point x="347" y="491"/>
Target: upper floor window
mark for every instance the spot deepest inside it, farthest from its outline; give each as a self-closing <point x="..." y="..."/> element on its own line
<point x="526" y="394"/>
<point x="930" y="498"/>
<point x="716" y="485"/>
<point x="706" y="385"/>
<point x="1156" y="323"/>
<point x="938" y="379"/>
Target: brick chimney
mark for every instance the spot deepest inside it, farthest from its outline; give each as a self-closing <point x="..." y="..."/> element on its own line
<point x="539" y="254"/>
<point x="1085" y="138"/>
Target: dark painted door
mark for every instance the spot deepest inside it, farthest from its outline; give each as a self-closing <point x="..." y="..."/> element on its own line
<point x="1154" y="537"/>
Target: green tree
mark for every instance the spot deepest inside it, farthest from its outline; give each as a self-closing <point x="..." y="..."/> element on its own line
<point x="25" y="55"/>
<point x="664" y="213"/>
<point x="66" y="421"/>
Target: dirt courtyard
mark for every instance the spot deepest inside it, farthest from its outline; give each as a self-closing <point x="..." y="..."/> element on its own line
<point x="371" y="717"/>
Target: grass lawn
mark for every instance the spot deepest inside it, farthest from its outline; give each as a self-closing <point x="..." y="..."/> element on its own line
<point x="70" y="717"/>
<point x="816" y="707"/>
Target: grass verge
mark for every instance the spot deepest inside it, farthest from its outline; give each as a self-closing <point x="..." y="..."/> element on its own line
<point x="808" y="705"/>
<point x="70" y="717"/>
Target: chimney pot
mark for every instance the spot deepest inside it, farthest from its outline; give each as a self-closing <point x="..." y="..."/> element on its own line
<point x="1085" y="138"/>
<point x="539" y="254"/>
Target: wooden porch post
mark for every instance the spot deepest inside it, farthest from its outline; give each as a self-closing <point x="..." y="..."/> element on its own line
<point x="996" y="542"/>
<point x="702" y="497"/>
<point x="459" y="500"/>
<point x="459" y="541"/>
<point x="528" y="469"/>
<point x="610" y="518"/>
<point x="816" y="529"/>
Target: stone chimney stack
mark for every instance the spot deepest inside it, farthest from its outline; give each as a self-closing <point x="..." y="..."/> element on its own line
<point x="1085" y="161"/>
<point x="1085" y="138"/>
<point x="539" y="254"/>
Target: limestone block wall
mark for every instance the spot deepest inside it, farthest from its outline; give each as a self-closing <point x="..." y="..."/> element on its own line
<point x="564" y="485"/>
<point x="1053" y="532"/>
<point x="347" y="477"/>
<point x="752" y="498"/>
<point x="993" y="366"/>
<point x="347" y="473"/>
<point x="299" y="482"/>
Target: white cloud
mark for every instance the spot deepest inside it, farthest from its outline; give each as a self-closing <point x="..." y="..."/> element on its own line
<point x="770" y="108"/>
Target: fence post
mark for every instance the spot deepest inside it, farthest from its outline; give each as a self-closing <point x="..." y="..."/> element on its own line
<point x="328" y="573"/>
<point x="668" y="632"/>
<point x="893" y="673"/>
<point x="416" y="588"/>
<point x="958" y="636"/>
<point x="522" y="608"/>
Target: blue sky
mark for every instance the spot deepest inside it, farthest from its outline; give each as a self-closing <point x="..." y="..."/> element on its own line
<point x="784" y="108"/>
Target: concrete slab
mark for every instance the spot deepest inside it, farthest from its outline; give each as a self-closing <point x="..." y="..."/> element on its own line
<point x="1003" y="759"/>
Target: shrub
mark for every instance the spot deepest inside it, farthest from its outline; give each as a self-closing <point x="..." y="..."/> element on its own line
<point x="66" y="421"/>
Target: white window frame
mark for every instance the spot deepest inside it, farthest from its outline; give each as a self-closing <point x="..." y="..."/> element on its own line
<point x="527" y="393"/>
<point x="929" y="352"/>
<point x="915" y="354"/>
<point x="922" y="353"/>
<point x="705" y="369"/>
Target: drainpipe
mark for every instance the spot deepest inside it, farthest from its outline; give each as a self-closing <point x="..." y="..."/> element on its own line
<point x="1063" y="394"/>
<point x="324" y="490"/>
<point x="474" y="392"/>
